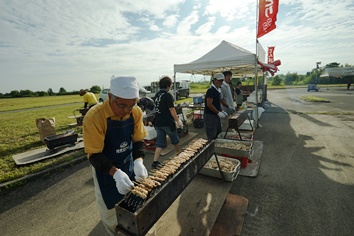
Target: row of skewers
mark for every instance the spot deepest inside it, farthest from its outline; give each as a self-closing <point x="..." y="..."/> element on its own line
<point x="144" y="188"/>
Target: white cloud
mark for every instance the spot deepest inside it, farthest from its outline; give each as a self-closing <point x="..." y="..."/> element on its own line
<point x="77" y="44"/>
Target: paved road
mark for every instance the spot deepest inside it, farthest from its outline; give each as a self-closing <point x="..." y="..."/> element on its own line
<point x="305" y="185"/>
<point x="306" y="181"/>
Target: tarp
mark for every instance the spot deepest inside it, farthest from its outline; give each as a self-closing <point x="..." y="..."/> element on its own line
<point x="338" y="71"/>
<point x="226" y="56"/>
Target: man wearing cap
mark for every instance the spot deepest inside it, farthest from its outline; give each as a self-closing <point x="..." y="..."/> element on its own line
<point x="113" y="134"/>
<point x="212" y="110"/>
<point x="89" y="98"/>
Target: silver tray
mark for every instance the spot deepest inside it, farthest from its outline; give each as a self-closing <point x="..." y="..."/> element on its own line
<point x="228" y="176"/>
<point x="232" y="151"/>
<point x="246" y="136"/>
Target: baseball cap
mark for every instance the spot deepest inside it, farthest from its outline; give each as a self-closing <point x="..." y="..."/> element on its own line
<point x="219" y="76"/>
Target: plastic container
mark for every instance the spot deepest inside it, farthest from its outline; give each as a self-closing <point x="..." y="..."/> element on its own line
<point x="198" y="114"/>
<point x="151" y="133"/>
<point x="60" y="140"/>
<point x="198" y="100"/>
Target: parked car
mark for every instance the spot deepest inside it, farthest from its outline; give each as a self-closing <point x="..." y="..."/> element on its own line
<point x="104" y="94"/>
<point x="312" y="87"/>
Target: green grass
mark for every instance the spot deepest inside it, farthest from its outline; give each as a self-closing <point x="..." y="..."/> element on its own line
<point x="19" y="133"/>
<point x="8" y="104"/>
<point x="309" y="98"/>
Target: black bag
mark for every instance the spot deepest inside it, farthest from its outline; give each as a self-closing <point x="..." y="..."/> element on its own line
<point x="198" y="123"/>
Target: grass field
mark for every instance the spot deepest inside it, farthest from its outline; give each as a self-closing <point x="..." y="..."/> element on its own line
<point x="19" y="132"/>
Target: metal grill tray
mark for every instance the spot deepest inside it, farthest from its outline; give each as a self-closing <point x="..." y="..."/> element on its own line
<point x="228" y="176"/>
<point x="246" y="136"/>
<point x="232" y="151"/>
<point x="140" y="221"/>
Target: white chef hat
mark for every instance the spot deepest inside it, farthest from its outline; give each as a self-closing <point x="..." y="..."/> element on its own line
<point x="124" y="87"/>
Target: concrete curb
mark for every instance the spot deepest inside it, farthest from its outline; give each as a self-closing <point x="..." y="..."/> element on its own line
<point x="4" y="186"/>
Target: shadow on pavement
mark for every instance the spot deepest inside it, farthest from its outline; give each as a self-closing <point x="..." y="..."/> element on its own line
<point x="298" y="190"/>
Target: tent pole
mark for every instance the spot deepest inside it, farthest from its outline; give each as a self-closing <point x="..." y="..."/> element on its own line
<point x="175" y="87"/>
<point x="256" y="68"/>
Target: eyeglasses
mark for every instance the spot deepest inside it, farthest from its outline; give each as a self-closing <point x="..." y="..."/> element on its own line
<point x="123" y="106"/>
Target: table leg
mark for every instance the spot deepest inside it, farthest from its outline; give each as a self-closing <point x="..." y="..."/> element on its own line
<point x="217" y="162"/>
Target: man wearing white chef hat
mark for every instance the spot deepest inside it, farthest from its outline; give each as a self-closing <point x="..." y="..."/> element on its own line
<point x="113" y="134"/>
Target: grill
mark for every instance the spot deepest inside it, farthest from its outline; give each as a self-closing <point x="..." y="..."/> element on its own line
<point x="136" y="215"/>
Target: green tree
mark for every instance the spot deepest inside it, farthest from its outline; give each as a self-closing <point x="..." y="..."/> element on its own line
<point x="26" y="93"/>
<point x="41" y="93"/>
<point x="332" y="65"/>
<point x="291" y="78"/>
<point x="50" y="92"/>
<point x="62" y="90"/>
<point x="15" y="94"/>
<point x="95" y="89"/>
<point x="276" y="80"/>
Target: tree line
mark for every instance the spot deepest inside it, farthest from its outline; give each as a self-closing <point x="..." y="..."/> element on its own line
<point x="62" y="91"/>
<point x="313" y="77"/>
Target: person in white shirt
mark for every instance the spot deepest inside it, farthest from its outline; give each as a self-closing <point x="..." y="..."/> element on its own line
<point x="227" y="101"/>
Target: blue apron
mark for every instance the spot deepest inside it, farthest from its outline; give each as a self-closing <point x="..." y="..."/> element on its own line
<point x="118" y="148"/>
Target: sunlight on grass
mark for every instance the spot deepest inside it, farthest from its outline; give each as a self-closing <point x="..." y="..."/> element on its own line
<point x="309" y="98"/>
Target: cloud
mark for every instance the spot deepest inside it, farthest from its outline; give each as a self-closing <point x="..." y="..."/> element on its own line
<point x="75" y="44"/>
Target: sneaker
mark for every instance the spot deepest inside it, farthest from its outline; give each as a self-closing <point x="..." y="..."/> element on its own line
<point x="155" y="164"/>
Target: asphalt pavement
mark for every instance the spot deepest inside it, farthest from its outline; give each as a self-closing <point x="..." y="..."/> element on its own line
<point x="305" y="185"/>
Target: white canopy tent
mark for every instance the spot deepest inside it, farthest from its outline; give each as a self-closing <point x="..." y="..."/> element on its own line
<point x="226" y="56"/>
<point x="338" y="71"/>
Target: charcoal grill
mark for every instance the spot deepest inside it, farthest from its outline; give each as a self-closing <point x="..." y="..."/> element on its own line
<point x="136" y="216"/>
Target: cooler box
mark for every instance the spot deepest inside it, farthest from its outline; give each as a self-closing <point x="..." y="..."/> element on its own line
<point x="198" y="100"/>
<point x="198" y="114"/>
<point x="151" y="133"/>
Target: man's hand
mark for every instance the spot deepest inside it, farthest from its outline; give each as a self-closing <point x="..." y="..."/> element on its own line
<point x="179" y="124"/>
<point x="123" y="183"/>
<point x="222" y="114"/>
<point x="140" y="170"/>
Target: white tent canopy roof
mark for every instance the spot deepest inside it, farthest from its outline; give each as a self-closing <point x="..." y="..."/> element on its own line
<point x="338" y="71"/>
<point x="225" y="56"/>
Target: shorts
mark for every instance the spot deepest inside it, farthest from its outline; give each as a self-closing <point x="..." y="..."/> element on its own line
<point x="161" y="133"/>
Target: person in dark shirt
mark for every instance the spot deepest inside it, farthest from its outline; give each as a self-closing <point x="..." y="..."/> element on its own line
<point x="212" y="110"/>
<point x="240" y="94"/>
<point x="166" y="120"/>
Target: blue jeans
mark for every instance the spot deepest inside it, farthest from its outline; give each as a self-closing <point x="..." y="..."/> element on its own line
<point x="161" y="133"/>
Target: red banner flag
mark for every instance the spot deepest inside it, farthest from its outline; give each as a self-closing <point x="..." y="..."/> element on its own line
<point x="267" y="16"/>
<point x="270" y="55"/>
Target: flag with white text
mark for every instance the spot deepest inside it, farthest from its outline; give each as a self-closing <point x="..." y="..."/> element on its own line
<point x="271" y="54"/>
<point x="267" y="16"/>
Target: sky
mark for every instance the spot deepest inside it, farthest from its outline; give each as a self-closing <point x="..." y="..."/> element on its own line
<point x="77" y="44"/>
